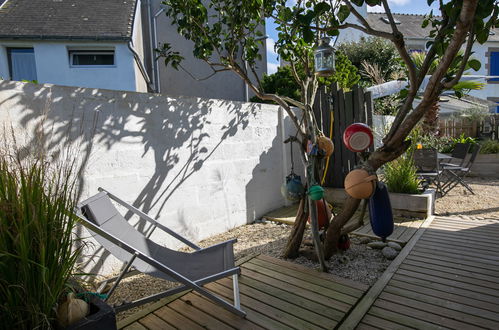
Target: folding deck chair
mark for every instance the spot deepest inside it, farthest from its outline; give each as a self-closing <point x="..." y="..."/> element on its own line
<point x="458" y="174"/>
<point x="115" y="234"/>
<point x="428" y="168"/>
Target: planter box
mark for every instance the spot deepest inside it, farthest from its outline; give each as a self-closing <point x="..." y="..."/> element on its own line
<point x="406" y="205"/>
<point x="101" y="317"/>
<point x="486" y="166"/>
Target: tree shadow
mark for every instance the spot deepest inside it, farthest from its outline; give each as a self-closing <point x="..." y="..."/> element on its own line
<point x="178" y="132"/>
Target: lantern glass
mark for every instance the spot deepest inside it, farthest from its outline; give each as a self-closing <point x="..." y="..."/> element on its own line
<point x="324" y="59"/>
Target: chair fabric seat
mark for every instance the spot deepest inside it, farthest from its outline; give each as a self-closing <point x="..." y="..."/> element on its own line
<point x="196" y="265"/>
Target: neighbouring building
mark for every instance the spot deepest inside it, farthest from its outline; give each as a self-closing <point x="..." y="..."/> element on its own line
<point x="103" y="44"/>
<point x="416" y="38"/>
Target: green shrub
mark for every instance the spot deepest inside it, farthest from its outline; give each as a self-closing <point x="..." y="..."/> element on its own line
<point x="400" y="175"/>
<point x="489" y="147"/>
<point x="37" y="252"/>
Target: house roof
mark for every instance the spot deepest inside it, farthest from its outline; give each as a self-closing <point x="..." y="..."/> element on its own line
<point x="67" y="19"/>
<point x="410" y="25"/>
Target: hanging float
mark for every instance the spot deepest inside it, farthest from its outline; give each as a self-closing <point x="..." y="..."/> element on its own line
<point x="380" y="212"/>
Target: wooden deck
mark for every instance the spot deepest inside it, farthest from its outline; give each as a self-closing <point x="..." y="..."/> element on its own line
<point x="275" y="294"/>
<point x="446" y="278"/>
<point x="402" y="232"/>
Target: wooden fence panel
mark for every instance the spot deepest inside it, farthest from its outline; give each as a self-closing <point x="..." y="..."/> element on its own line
<point x="342" y="109"/>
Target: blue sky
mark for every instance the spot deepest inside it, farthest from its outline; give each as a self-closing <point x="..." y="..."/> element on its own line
<point x="396" y="6"/>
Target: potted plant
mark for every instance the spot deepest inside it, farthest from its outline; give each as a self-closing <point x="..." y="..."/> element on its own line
<point x="38" y="254"/>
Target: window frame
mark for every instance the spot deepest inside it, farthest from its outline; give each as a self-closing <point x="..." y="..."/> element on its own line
<point x="72" y="52"/>
<point x="8" y="51"/>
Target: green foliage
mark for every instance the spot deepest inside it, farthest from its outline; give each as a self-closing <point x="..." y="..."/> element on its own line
<point x="400" y="175"/>
<point x="429" y="141"/>
<point x="283" y="82"/>
<point x="37" y="254"/>
<point x="387" y="106"/>
<point x="476" y="113"/>
<point x="373" y="50"/>
<point x="449" y="147"/>
<point x="489" y="147"/>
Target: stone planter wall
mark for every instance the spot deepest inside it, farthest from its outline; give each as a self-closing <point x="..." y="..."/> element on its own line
<point x="406" y="205"/>
<point x="486" y="166"/>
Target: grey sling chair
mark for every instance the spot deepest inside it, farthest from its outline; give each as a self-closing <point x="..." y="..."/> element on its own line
<point x="121" y="239"/>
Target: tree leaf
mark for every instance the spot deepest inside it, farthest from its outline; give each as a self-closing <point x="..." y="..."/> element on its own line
<point x="430" y="2"/>
<point x="308" y="35"/>
<point x="474" y="64"/>
<point x="343" y="13"/>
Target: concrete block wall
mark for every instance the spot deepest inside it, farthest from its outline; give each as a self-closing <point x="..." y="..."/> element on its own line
<point x="200" y="166"/>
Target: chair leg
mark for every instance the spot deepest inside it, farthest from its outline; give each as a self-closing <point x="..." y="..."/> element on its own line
<point x="235" y="286"/>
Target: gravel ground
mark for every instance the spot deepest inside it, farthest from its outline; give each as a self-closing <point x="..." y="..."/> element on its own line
<point x="359" y="263"/>
<point x="460" y="202"/>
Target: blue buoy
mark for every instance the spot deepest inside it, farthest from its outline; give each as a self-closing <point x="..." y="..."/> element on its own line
<point x="380" y="212"/>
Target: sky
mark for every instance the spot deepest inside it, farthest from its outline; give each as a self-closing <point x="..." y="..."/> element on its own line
<point x="396" y="6"/>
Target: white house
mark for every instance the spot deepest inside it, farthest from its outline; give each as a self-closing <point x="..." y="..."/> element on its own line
<point x="103" y="44"/>
<point x="416" y="38"/>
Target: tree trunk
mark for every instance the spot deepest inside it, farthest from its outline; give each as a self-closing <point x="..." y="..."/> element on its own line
<point x="377" y="159"/>
<point x="294" y="241"/>
<point x="430" y="119"/>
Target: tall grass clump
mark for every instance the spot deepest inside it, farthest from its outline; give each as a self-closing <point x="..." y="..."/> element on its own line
<point x="400" y="175"/>
<point x="37" y="251"/>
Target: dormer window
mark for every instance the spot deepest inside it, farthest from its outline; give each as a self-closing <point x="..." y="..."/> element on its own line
<point x="387" y="21"/>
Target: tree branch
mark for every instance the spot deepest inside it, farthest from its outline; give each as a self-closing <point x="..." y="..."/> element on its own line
<point x="466" y="56"/>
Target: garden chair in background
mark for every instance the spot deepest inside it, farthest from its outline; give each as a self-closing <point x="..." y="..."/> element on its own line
<point x="428" y="168"/>
<point x="456" y="175"/>
<point x="458" y="155"/>
<point x="125" y="242"/>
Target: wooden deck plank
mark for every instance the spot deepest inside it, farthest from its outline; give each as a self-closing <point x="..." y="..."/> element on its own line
<point x="151" y="321"/>
<point x="278" y="315"/>
<point x="302" y="269"/>
<point x="135" y="326"/>
<point x="457" y="259"/>
<point x="431" y="261"/>
<point x="365" y="326"/>
<point x="484" y="263"/>
<point x="470" y="231"/>
<point x="397" y="231"/>
<point x="302" y="284"/>
<point x="326" y="311"/>
<point x="454" y="269"/>
<point x="457" y="319"/>
<point x="408" y="233"/>
<point x="382" y="323"/>
<point x="205" y="320"/>
<point x="320" y="299"/>
<point x="457" y="239"/>
<point x="451" y="297"/>
<point x="485" y="293"/>
<point x="441" y="301"/>
<point x="446" y="288"/>
<point x="451" y="276"/>
<point x="311" y="278"/>
<point x="456" y="223"/>
<point x="177" y="320"/>
<point x="420" y="315"/>
<point x="276" y="302"/>
<point x="486" y="253"/>
<point x="399" y="318"/>
<point x="207" y="306"/>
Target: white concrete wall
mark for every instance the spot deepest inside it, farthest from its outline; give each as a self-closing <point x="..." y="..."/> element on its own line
<point x="202" y="166"/>
<point x="52" y="65"/>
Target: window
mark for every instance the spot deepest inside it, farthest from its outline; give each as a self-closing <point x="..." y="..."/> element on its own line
<point x="494" y="65"/>
<point x="22" y="63"/>
<point x="91" y="57"/>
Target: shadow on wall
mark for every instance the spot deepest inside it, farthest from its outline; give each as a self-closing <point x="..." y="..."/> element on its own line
<point x="263" y="191"/>
<point x="175" y="131"/>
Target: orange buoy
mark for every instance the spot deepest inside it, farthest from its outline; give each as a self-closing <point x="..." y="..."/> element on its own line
<point x="325" y="144"/>
<point x="323" y="213"/>
<point x="359" y="184"/>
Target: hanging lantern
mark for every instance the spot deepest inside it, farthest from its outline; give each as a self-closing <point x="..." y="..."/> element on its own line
<point x="324" y="58"/>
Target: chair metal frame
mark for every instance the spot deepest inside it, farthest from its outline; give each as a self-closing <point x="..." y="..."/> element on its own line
<point x="457" y="175"/>
<point x="187" y="283"/>
<point x="428" y="169"/>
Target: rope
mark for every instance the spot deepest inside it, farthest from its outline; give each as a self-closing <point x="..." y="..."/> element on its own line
<point x="331" y="137"/>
